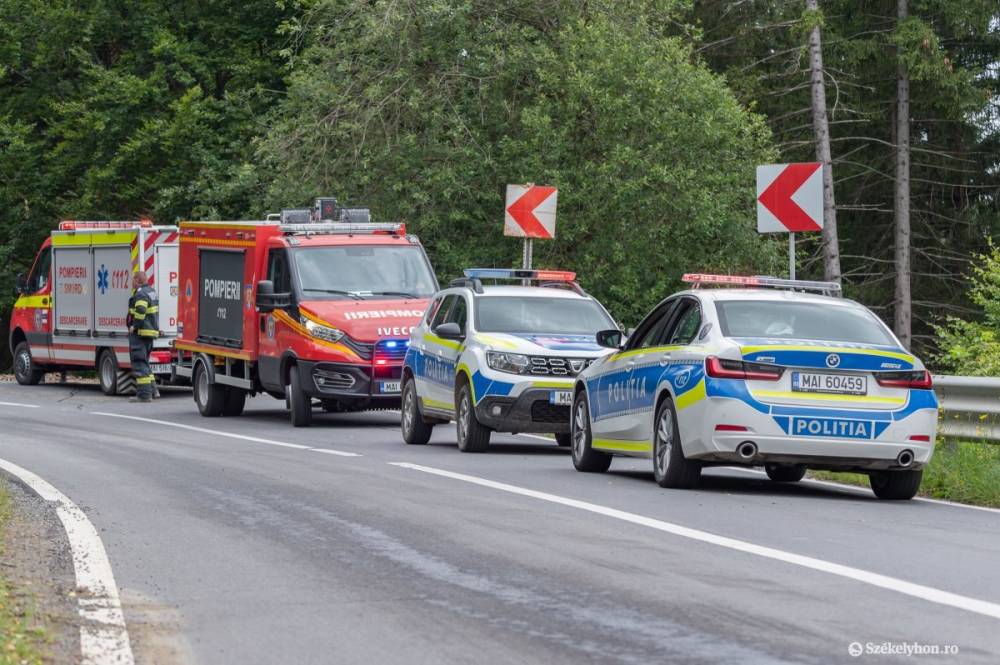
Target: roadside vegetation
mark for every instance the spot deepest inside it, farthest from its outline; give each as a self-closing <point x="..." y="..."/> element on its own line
<point x="966" y="472"/>
<point x="20" y="642"/>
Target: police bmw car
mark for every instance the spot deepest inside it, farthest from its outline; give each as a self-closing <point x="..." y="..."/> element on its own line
<point x="500" y="358"/>
<point x="758" y="376"/>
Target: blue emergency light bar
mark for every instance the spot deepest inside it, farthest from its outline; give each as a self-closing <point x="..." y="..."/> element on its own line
<point x="515" y="273"/>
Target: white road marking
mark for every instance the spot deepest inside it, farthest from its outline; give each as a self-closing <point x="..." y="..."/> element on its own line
<point x="229" y="435"/>
<point x="547" y="439"/>
<point x="340" y="453"/>
<point x="103" y="635"/>
<point x="25" y="406"/>
<point x="975" y="605"/>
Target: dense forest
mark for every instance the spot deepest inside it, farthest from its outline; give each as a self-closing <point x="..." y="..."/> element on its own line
<point x="649" y="115"/>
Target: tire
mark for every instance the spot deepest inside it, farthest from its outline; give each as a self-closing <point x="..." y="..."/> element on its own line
<point x="670" y="468"/>
<point x="895" y="485"/>
<point x="564" y="440"/>
<point x="585" y="458"/>
<point x="785" y="473"/>
<point x="236" y="399"/>
<point x="26" y="371"/>
<point x="299" y="404"/>
<point x="107" y="372"/>
<point x="415" y="431"/>
<point x="473" y="436"/>
<point x="210" y="397"/>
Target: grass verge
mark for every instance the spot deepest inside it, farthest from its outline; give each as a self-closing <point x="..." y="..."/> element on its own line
<point x="966" y="472"/>
<point x="20" y="643"/>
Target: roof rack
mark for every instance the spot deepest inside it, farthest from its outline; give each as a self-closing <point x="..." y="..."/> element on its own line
<point x="467" y="282"/>
<point x="700" y="279"/>
<point x="326" y="228"/>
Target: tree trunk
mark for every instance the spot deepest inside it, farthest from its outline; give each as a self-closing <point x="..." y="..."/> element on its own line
<point x="821" y="129"/>
<point x="903" y="322"/>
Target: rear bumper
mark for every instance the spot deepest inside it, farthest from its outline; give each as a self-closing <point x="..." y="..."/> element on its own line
<point x="528" y="412"/>
<point x="355" y="384"/>
<point x="831" y="454"/>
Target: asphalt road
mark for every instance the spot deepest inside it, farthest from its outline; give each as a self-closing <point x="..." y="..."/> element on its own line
<point x="235" y="550"/>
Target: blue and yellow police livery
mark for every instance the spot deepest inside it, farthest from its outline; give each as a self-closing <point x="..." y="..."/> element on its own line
<point x="765" y="374"/>
<point x="500" y="358"/>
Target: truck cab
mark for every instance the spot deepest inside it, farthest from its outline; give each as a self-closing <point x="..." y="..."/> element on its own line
<point x="315" y="313"/>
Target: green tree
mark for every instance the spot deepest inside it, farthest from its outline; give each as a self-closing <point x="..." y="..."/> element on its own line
<point x="972" y="346"/>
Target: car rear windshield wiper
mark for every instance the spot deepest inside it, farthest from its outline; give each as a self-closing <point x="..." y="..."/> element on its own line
<point x="350" y="294"/>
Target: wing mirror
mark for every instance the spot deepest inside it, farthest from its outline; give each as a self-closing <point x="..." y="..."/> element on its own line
<point x="20" y="283"/>
<point x="449" y="331"/>
<point x="611" y="339"/>
<point x="268" y="300"/>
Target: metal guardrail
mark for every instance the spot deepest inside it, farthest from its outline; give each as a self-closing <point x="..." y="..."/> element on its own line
<point x="970" y="407"/>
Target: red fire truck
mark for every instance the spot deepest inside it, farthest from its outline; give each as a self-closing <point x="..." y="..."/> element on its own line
<point x="71" y="308"/>
<point x="317" y="313"/>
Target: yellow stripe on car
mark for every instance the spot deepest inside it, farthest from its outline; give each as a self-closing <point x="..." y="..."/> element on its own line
<point x="622" y="445"/>
<point x="496" y="341"/>
<point x="692" y="396"/>
<point x="29" y="302"/>
<point x="450" y="343"/>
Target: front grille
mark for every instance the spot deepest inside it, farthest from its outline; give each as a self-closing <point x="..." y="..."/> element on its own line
<point x="548" y="366"/>
<point x="363" y="349"/>
<point x="392" y="349"/>
<point x="544" y="412"/>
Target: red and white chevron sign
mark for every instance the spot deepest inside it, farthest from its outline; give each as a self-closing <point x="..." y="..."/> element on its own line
<point x="790" y="197"/>
<point x="530" y="211"/>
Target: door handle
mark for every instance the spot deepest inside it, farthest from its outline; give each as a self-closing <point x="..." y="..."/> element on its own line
<point x="630" y="364"/>
<point x="665" y="358"/>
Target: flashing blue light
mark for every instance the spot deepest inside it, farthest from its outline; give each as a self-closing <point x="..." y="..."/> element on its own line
<point x="391" y="345"/>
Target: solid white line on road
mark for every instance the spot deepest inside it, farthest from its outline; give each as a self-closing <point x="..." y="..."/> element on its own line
<point x="931" y="594"/>
<point x="24" y="406"/>
<point x="229" y="435"/>
<point x="103" y="636"/>
<point x="339" y="453"/>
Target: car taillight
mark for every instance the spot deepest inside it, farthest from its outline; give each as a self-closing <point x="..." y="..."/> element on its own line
<point x="723" y="368"/>
<point x="920" y="380"/>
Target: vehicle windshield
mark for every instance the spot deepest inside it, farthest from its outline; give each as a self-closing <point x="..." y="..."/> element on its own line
<point x="364" y="272"/>
<point x="800" y="320"/>
<point x="537" y="315"/>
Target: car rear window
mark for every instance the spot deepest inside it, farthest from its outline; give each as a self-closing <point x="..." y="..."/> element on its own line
<point x="801" y="320"/>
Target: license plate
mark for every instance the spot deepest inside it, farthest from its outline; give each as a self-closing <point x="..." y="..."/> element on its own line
<point x="561" y="397"/>
<point x="836" y="384"/>
<point x="160" y="368"/>
<point x="389" y="386"/>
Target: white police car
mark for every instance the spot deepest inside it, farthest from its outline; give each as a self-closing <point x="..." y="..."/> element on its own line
<point x="500" y="358"/>
<point x="752" y="376"/>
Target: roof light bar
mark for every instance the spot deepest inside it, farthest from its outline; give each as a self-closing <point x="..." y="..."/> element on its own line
<point x="346" y="229"/>
<point x="699" y="279"/>
<point x="514" y="273"/>
<point x="74" y="225"/>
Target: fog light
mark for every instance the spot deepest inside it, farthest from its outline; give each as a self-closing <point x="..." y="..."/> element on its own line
<point x="497" y="410"/>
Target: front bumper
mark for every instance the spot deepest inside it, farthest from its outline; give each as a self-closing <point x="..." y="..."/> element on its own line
<point x="350" y="383"/>
<point x="530" y="411"/>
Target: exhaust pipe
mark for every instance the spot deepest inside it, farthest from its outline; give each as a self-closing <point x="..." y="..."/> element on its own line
<point x="905" y="458"/>
<point x="747" y="450"/>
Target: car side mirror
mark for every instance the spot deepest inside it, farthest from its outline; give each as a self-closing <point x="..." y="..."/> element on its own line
<point x="449" y="331"/>
<point x="267" y="300"/>
<point x="20" y="283"/>
<point x="610" y="339"/>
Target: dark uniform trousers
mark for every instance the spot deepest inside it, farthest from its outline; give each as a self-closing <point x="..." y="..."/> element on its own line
<point x="143" y="311"/>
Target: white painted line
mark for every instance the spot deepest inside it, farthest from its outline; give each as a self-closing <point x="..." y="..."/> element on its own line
<point x="229" y="435"/>
<point x="23" y="406"/>
<point x="340" y="453"/>
<point x="103" y="635"/>
<point x="975" y="605"/>
<point x="547" y="439"/>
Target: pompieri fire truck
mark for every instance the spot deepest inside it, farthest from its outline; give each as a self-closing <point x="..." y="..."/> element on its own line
<point x="71" y="309"/>
<point x="314" y="312"/>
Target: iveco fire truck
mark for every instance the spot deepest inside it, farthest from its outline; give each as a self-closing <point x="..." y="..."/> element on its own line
<point x="71" y="308"/>
<point x="314" y="307"/>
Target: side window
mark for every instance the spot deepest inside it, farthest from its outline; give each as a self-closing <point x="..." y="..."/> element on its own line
<point x="686" y="324"/>
<point x="277" y="271"/>
<point x="39" y="278"/>
<point x="442" y="312"/>
<point x="650" y="331"/>
<point x="459" y="313"/>
<point x="432" y="310"/>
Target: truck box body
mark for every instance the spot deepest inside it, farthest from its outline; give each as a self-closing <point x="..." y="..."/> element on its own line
<point x="345" y="323"/>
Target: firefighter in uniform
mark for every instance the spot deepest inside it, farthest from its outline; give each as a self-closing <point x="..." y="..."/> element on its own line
<point x="143" y="328"/>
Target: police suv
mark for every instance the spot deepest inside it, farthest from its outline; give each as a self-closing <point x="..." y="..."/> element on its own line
<point x="776" y="376"/>
<point x="500" y="358"/>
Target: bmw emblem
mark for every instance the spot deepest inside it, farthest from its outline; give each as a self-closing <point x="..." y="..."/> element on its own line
<point x="833" y="360"/>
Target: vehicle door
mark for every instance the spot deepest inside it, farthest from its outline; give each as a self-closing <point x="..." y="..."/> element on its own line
<point x="611" y="402"/>
<point x="439" y="354"/>
<point x="669" y="357"/>
<point x="269" y="338"/>
<point x="33" y="308"/>
<point x="417" y="353"/>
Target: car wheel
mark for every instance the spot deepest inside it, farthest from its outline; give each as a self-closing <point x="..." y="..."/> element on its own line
<point x="564" y="440"/>
<point x="25" y="370"/>
<point x="415" y="431"/>
<point x="299" y="404"/>
<point x="785" y="473"/>
<point x="585" y="458"/>
<point x="670" y="467"/>
<point x="236" y="400"/>
<point x="473" y="436"/>
<point x="895" y="485"/>
<point x="107" y="372"/>
<point x="210" y="397"/>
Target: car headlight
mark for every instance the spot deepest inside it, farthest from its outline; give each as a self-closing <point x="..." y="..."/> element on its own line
<point x="319" y="331"/>
<point x="515" y="363"/>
